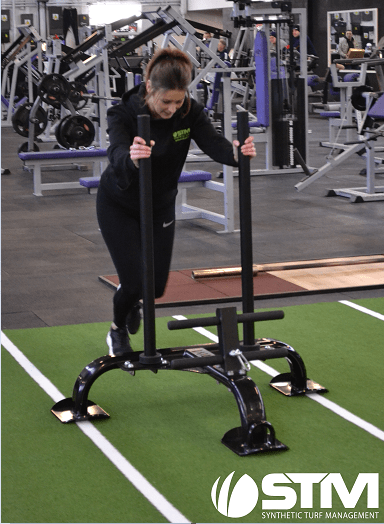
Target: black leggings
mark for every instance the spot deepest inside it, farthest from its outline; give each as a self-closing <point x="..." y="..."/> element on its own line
<point x="120" y="228"/>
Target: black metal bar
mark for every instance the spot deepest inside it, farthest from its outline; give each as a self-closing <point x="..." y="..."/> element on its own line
<point x="210" y="29"/>
<point x="245" y="228"/>
<point x="125" y="21"/>
<point x="86" y="379"/>
<point x="76" y="53"/>
<point x="257" y="354"/>
<point x="263" y="315"/>
<point x="214" y="321"/>
<point x="146" y="224"/>
<point x="299" y="159"/>
<point x="160" y="27"/>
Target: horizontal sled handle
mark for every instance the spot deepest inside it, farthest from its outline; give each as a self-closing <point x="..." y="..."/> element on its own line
<point x="214" y="321"/>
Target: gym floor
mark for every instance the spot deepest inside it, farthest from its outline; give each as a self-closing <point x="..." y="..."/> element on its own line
<point x="53" y="252"/>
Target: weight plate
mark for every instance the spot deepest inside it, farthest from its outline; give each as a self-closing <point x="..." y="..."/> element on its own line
<point x="21" y="123"/>
<point x="76" y="95"/>
<point x="54" y="89"/>
<point x="358" y="101"/>
<point x="75" y="131"/>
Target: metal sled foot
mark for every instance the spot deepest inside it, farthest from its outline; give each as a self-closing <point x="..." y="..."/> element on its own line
<point x="65" y="411"/>
<point x="283" y="384"/>
<point x="259" y="438"/>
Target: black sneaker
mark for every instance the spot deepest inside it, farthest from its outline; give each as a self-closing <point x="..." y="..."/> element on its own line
<point x="134" y="319"/>
<point x="118" y="342"/>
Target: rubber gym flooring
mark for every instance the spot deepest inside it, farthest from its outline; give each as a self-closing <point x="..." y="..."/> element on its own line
<point x="56" y="311"/>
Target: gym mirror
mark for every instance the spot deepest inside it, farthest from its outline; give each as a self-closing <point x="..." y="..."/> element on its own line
<point x="362" y="23"/>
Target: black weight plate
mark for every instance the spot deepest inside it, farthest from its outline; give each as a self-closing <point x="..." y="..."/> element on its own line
<point x="357" y="99"/>
<point x="54" y="89"/>
<point x="41" y="121"/>
<point x="57" y="130"/>
<point x="75" y="131"/>
<point x="76" y="92"/>
<point x="21" y="123"/>
<point x="20" y="119"/>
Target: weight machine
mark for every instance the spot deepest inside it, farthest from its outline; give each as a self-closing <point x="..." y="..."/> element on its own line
<point x="369" y="108"/>
<point x="349" y="83"/>
<point x="61" y="90"/>
<point x="18" y="58"/>
<point x="280" y="87"/>
<point x="284" y="128"/>
<point x="228" y="361"/>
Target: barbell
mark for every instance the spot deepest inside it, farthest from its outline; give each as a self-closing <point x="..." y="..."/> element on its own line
<point x="55" y="90"/>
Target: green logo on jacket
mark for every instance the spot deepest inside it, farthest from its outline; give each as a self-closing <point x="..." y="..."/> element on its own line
<point x="183" y="134"/>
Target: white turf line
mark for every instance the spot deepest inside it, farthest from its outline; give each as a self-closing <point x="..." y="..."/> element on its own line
<point x="347" y="415"/>
<point x="362" y="309"/>
<point x="132" y="474"/>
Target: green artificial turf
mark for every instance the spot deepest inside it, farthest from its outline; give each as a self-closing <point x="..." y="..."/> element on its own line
<point x="169" y="425"/>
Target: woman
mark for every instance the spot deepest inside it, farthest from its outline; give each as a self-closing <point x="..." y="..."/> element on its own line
<point x="175" y="120"/>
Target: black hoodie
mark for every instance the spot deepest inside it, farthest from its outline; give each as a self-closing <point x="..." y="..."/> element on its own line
<point x="172" y="140"/>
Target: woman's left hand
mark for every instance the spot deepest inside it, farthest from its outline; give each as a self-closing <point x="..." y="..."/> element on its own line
<point x="248" y="148"/>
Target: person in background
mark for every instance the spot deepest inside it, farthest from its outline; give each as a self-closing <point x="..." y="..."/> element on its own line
<point x="296" y="42"/>
<point x="175" y="120"/>
<point x="207" y="37"/>
<point x="222" y="49"/>
<point x="346" y="43"/>
<point x="206" y="40"/>
<point x="273" y="41"/>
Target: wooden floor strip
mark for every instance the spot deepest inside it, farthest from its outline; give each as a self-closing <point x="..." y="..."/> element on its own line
<point x="214" y="273"/>
<point x="334" y="277"/>
<point x="326" y="262"/>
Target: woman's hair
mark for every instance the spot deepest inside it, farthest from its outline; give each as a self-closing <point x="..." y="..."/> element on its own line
<point x="170" y="69"/>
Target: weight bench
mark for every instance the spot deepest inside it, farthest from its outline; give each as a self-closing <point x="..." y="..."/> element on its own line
<point x="330" y="114"/>
<point x="35" y="161"/>
<point x="90" y="182"/>
<point x="187" y="180"/>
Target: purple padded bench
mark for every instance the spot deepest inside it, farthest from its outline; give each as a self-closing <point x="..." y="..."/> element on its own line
<point x="92" y="182"/>
<point x="330" y="114"/>
<point x="188" y="179"/>
<point x="35" y="160"/>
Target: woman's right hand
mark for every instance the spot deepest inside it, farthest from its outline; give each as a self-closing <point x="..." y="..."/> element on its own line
<point x="140" y="150"/>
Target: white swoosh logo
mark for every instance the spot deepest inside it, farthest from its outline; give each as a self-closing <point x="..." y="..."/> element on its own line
<point x="168" y="223"/>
